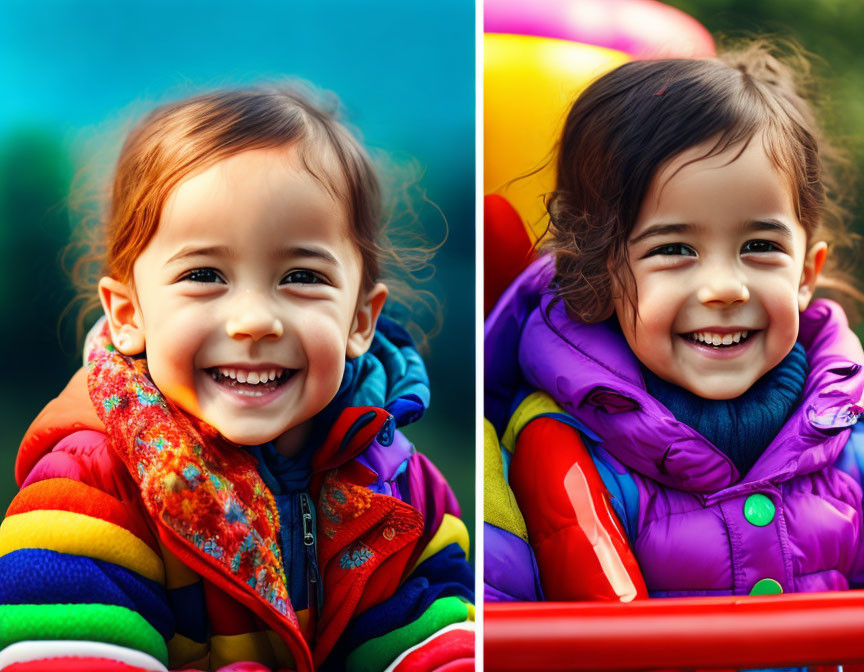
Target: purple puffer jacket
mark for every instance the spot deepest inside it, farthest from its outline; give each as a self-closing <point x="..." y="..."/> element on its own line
<point x="697" y="528"/>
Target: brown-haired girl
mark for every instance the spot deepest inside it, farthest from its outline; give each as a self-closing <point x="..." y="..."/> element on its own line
<point x="668" y="353"/>
<point x="224" y="485"/>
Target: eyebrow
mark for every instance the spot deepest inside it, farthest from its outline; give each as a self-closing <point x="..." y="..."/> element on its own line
<point x="769" y="225"/>
<point x="661" y="230"/>
<point x="279" y="253"/>
<point x="193" y="251"/>
<point x="654" y="230"/>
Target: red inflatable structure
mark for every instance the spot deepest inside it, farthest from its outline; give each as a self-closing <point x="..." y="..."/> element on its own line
<point x="822" y="630"/>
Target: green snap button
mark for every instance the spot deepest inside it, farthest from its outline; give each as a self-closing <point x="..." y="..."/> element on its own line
<point x="766" y="587"/>
<point x="759" y="510"/>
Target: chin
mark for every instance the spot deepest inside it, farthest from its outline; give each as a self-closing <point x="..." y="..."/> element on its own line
<point x="720" y="391"/>
<point x="246" y="438"/>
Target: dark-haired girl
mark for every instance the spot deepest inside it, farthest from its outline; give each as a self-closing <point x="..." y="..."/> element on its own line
<point x="677" y="413"/>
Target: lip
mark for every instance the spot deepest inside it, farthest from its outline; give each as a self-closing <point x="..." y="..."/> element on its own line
<point x="719" y="330"/>
<point x="726" y="352"/>
<point x="245" y="401"/>
<point x="253" y="366"/>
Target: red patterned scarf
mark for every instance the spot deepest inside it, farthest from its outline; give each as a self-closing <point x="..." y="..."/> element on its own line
<point x="181" y="466"/>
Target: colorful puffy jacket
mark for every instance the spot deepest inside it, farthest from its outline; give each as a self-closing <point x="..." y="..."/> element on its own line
<point x="157" y="544"/>
<point x="695" y="525"/>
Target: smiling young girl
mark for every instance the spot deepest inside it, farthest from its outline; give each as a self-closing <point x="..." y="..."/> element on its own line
<point x="224" y="486"/>
<point x="679" y="412"/>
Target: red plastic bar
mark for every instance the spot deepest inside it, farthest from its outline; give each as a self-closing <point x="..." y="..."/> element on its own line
<point x="679" y="633"/>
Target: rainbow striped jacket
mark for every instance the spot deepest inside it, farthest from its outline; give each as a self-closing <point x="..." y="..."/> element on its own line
<point x="124" y="545"/>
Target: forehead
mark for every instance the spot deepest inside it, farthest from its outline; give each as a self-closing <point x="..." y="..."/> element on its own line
<point x="738" y="185"/>
<point x="258" y="194"/>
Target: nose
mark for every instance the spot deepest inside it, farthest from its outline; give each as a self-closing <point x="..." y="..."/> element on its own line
<point x="721" y="287"/>
<point x="252" y="318"/>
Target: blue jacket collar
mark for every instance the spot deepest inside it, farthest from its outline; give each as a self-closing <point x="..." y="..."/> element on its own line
<point x="385" y="388"/>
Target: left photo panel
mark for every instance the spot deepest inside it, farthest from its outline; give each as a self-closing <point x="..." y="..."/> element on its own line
<point x="239" y="287"/>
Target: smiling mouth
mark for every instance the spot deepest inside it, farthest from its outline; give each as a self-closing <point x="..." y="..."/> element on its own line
<point x="250" y="383"/>
<point x="720" y="341"/>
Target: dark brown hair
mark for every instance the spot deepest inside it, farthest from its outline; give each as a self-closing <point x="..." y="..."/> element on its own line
<point x="627" y="124"/>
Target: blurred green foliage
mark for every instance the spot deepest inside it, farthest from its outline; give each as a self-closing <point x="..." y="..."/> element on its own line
<point x="830" y="32"/>
<point x="35" y="174"/>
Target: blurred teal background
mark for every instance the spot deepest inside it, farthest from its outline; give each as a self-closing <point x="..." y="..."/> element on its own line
<point x="73" y="72"/>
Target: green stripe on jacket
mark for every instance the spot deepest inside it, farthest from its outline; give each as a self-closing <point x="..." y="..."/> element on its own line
<point x="376" y="654"/>
<point x="88" y="622"/>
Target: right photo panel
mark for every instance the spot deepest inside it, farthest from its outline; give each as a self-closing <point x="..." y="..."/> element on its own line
<point x="673" y="464"/>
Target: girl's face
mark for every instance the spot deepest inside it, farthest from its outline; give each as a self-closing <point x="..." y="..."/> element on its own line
<point x="248" y="298"/>
<point x="722" y="270"/>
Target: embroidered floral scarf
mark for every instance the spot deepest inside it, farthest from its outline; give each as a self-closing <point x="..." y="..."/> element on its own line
<point x="180" y="465"/>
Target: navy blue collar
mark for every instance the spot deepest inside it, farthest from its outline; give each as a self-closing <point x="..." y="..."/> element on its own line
<point x="742" y="427"/>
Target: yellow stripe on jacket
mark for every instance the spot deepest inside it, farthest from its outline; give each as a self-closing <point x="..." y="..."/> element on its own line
<point x="77" y="534"/>
<point x="248" y="646"/>
<point x="451" y="530"/>
<point x="185" y="652"/>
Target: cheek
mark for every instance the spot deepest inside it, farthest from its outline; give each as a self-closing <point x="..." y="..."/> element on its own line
<point x="643" y="337"/>
<point x="326" y="349"/>
<point x="781" y="305"/>
<point x="652" y="348"/>
<point x="324" y="344"/>
<point x="658" y="308"/>
<point x="173" y="345"/>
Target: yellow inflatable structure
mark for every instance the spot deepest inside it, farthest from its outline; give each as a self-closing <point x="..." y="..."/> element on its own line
<point x="539" y="55"/>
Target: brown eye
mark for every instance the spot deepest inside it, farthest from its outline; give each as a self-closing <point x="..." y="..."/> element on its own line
<point x="673" y="250"/>
<point x="302" y="277"/>
<point x="203" y="275"/>
<point x="759" y="247"/>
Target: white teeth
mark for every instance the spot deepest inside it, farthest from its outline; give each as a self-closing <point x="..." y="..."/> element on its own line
<point x="710" y="338"/>
<point x="248" y="377"/>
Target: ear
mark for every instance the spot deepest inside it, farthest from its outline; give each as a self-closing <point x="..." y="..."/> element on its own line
<point x="813" y="263"/>
<point x="124" y="316"/>
<point x="363" y="329"/>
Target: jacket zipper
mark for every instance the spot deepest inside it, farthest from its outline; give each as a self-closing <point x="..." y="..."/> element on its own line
<point x="316" y="590"/>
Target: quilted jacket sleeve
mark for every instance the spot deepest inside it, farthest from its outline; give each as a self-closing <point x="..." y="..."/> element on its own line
<point x="428" y="622"/>
<point x="851" y="461"/>
<point x="510" y="571"/>
<point x="79" y="566"/>
<point x="570" y="517"/>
